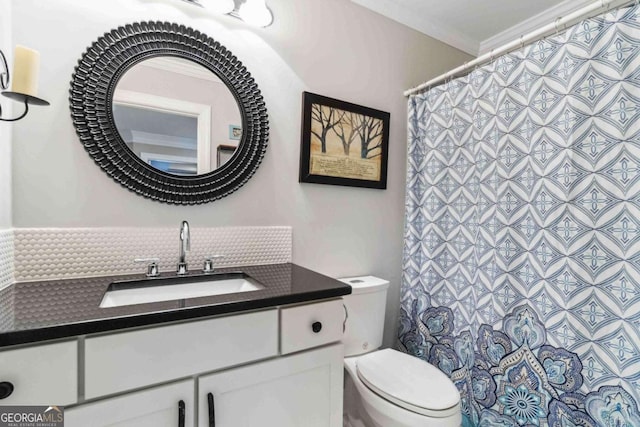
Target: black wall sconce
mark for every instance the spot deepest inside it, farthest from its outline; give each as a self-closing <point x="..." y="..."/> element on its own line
<point x="24" y="88"/>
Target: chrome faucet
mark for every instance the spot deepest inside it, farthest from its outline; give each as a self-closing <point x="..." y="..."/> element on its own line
<point x="185" y="246"/>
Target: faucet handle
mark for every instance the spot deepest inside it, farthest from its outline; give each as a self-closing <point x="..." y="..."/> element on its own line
<point x="152" y="265"/>
<point x="208" y="263"/>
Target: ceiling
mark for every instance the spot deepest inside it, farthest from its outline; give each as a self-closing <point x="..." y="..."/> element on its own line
<point x="474" y="26"/>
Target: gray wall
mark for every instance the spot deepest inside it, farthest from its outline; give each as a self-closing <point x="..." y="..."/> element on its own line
<point x="330" y="47"/>
<point x="5" y="127"/>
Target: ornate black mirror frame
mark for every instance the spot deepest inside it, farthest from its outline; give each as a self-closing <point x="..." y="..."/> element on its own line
<point x="92" y="87"/>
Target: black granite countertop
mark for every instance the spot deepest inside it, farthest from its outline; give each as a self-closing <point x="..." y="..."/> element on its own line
<point x="39" y="311"/>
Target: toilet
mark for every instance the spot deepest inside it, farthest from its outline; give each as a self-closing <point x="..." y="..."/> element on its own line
<point x="388" y="388"/>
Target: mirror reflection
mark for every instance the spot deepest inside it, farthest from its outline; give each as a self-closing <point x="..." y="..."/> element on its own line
<point x="177" y="116"/>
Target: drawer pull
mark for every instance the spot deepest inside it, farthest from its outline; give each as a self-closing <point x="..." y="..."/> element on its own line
<point x="212" y="410"/>
<point x="316" y="327"/>
<point x="181" y="413"/>
<point x="6" y="388"/>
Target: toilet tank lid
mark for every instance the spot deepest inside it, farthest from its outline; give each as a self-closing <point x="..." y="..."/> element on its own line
<point x="365" y="284"/>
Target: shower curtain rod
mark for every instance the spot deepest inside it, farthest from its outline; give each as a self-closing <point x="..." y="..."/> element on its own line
<point x="560" y="23"/>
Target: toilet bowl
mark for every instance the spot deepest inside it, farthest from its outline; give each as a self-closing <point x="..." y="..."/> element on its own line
<point x="388" y="388"/>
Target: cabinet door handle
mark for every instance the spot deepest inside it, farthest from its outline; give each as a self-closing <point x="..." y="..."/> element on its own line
<point x="181" y="413"/>
<point x="212" y="410"/>
<point x="6" y="388"/>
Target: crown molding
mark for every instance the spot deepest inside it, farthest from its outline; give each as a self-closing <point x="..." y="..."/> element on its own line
<point x="411" y="19"/>
<point x="531" y="24"/>
<point x="458" y="39"/>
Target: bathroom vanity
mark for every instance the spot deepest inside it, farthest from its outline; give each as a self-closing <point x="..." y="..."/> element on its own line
<point x="265" y="352"/>
<point x="270" y="357"/>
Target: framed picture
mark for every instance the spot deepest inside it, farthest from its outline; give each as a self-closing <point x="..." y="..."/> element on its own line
<point x="343" y="143"/>
<point x="235" y="132"/>
<point x="224" y="153"/>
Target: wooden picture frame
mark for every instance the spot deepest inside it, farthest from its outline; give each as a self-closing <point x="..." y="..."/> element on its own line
<point x="224" y="154"/>
<point x="343" y="143"/>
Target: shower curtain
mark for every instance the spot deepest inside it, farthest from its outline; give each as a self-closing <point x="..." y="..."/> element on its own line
<point x="521" y="267"/>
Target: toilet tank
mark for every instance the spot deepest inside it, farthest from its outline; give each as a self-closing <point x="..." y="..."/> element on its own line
<point x="365" y="309"/>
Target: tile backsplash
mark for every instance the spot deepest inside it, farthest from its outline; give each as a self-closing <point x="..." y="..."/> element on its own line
<point x="57" y="253"/>
<point x="6" y="258"/>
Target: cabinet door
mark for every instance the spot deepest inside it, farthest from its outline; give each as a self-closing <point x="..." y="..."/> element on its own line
<point x="41" y="375"/>
<point x="166" y="406"/>
<point x="300" y="390"/>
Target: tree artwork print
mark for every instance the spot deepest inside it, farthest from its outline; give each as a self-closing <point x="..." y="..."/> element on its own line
<point x="343" y="144"/>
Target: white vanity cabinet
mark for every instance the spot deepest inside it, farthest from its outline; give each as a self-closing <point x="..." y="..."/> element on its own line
<point x="164" y="406"/>
<point x="304" y="389"/>
<point x="277" y="367"/>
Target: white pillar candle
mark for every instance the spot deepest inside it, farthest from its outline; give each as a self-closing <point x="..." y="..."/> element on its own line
<point x="26" y="64"/>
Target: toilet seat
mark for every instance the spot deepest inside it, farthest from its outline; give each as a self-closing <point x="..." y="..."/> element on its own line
<point x="409" y="382"/>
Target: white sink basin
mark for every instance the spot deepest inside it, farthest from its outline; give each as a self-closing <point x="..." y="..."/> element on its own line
<point x="177" y="288"/>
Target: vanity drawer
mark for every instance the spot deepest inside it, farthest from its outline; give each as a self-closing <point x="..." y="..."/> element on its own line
<point x="129" y="360"/>
<point x="311" y="325"/>
<point x="41" y="375"/>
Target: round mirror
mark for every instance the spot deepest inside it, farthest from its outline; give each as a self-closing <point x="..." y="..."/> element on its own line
<point x="176" y="116"/>
<point x="169" y="113"/>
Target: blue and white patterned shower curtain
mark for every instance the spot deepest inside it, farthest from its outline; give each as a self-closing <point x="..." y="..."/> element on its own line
<point x="521" y="275"/>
